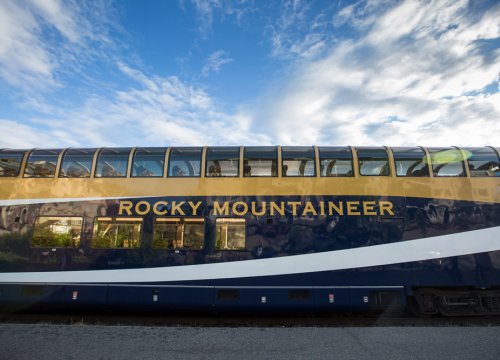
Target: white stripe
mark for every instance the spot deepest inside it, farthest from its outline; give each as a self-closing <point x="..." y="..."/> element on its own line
<point x="58" y="200"/>
<point x="464" y="243"/>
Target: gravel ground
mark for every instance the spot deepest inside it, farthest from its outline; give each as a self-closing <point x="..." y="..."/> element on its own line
<point x="49" y="341"/>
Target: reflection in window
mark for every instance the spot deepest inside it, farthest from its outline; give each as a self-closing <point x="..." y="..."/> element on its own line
<point x="335" y="161"/>
<point x="482" y="162"/>
<point x="122" y="233"/>
<point x="373" y="162"/>
<point x="410" y="161"/>
<point x="260" y="161"/>
<point x="42" y="164"/>
<point x="148" y="162"/>
<point x="223" y="161"/>
<point x="175" y="233"/>
<point x="57" y="232"/>
<point x="447" y="162"/>
<point x="184" y="162"/>
<point x="298" y="161"/>
<point x="230" y="234"/>
<point x="112" y="162"/>
<point x="77" y="163"/>
<point x="10" y="162"/>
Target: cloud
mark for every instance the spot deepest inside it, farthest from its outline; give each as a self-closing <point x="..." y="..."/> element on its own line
<point x="415" y="73"/>
<point x="215" y="61"/>
<point x="43" y="40"/>
<point x="207" y="10"/>
<point x="298" y="31"/>
<point x="156" y="111"/>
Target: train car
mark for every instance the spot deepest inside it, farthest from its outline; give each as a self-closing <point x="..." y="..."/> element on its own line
<point x="277" y="228"/>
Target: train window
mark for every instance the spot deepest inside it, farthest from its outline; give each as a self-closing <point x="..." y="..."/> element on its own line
<point x="298" y="161"/>
<point x="175" y="233"/>
<point x="185" y="162"/>
<point x="77" y="163"/>
<point x="223" y="161"/>
<point x="112" y="162"/>
<point x="148" y="162"/>
<point x="230" y="234"/>
<point x="42" y="164"/>
<point x="447" y="162"/>
<point x="10" y="162"/>
<point x="482" y="162"/>
<point x="410" y="161"/>
<point x="57" y="232"/>
<point x="335" y="161"/>
<point x="260" y="161"/>
<point x="116" y="233"/>
<point x="373" y="161"/>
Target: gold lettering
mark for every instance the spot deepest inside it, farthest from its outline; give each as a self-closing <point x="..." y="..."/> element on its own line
<point x="157" y="205"/>
<point x="194" y="207"/>
<point x="386" y="206"/>
<point x="352" y="208"/>
<point x="147" y="207"/>
<point x="294" y="205"/>
<point x="254" y="209"/>
<point x="125" y="205"/>
<point x="339" y="209"/>
<point x="240" y="212"/>
<point x="309" y="208"/>
<point x="369" y="208"/>
<point x="280" y="210"/>
<point x="177" y="208"/>
<point x="221" y="210"/>
<point x="322" y="208"/>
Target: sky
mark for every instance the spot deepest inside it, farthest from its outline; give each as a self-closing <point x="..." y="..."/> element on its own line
<point x="220" y="72"/>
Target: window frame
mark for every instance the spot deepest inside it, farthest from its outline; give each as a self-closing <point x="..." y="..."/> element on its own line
<point x="351" y="159"/>
<point x="434" y="150"/>
<point x="492" y="152"/>
<point x="395" y="151"/>
<point x="113" y="218"/>
<point x="18" y="172"/>
<point x="283" y="159"/>
<point x="231" y="220"/>
<point x="272" y="159"/>
<point x="228" y="148"/>
<point x="120" y="150"/>
<point x="82" y="227"/>
<point x="357" y="149"/>
<point x="68" y="151"/>
<point x="32" y="152"/>
<point x="165" y="149"/>
<point x="171" y="152"/>
<point x="176" y="221"/>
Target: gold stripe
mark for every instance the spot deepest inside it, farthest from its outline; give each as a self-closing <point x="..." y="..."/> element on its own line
<point x="168" y="219"/>
<point x="471" y="189"/>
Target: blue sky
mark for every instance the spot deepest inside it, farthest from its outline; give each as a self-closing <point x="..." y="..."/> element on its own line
<point x="221" y="72"/>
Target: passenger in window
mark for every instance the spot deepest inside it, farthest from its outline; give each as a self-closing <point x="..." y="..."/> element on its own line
<point x="212" y="171"/>
<point x="77" y="171"/>
<point x="248" y="170"/>
<point x="108" y="170"/>
<point x="178" y="171"/>
<point x="285" y="169"/>
<point x="142" y="171"/>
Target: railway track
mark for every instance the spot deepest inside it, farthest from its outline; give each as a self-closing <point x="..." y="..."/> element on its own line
<point x="246" y="320"/>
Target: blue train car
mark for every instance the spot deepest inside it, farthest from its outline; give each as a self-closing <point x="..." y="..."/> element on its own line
<point x="251" y="229"/>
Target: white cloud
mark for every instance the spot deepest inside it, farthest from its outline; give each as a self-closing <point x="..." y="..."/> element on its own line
<point x="155" y="112"/>
<point x="404" y="81"/>
<point x="206" y="10"/>
<point x="42" y="39"/>
<point x="215" y="61"/>
<point x="296" y="33"/>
